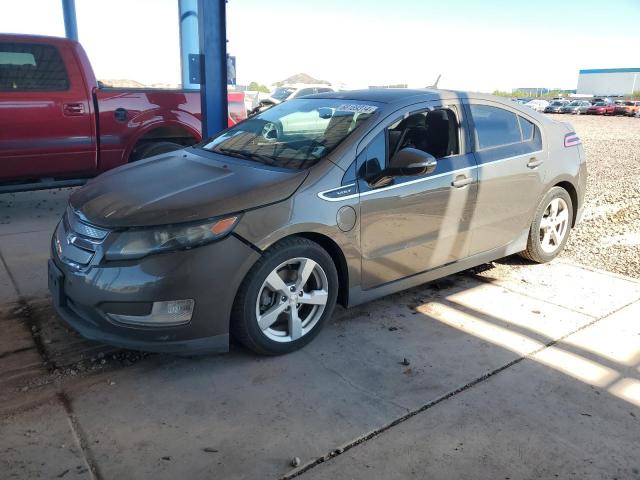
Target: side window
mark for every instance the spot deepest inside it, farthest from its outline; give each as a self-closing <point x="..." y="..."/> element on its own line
<point x="323" y="90"/>
<point x="372" y="160"/>
<point x="494" y="126"/>
<point x="434" y="132"/>
<point x="31" y="67"/>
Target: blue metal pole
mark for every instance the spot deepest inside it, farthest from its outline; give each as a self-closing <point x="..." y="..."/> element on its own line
<point x="70" y="23"/>
<point x="213" y="65"/>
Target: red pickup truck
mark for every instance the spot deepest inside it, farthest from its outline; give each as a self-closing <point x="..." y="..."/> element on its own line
<point x="58" y="124"/>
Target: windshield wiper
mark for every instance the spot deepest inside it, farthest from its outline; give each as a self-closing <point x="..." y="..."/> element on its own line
<point x="248" y="155"/>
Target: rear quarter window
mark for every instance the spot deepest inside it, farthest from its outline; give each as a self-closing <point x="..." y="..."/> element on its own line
<point x="26" y="67"/>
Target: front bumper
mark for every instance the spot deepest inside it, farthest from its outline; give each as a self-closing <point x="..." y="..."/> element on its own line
<point x="210" y="275"/>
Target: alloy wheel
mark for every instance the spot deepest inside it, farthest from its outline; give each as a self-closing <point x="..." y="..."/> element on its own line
<point x="554" y="225"/>
<point x="292" y="299"/>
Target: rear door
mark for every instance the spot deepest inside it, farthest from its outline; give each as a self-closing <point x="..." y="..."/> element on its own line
<point x="46" y="126"/>
<point x="509" y="151"/>
<point x="416" y="223"/>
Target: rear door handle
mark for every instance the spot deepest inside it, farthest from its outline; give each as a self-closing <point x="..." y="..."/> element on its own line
<point x="73" y="109"/>
<point x="461" y="181"/>
<point x="534" y="162"/>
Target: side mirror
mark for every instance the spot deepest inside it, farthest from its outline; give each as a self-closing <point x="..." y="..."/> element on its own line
<point x="267" y="102"/>
<point x="325" y="112"/>
<point x="411" y="161"/>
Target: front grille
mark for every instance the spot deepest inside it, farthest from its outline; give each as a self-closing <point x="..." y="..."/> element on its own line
<point x="76" y="241"/>
<point x="82" y="228"/>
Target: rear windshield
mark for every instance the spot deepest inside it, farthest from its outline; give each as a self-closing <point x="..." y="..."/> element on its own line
<point x="295" y="134"/>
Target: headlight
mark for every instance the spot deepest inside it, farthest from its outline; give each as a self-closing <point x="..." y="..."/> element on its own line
<point x="138" y="243"/>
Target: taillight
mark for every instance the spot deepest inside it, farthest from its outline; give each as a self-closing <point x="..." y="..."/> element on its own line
<point x="571" y="140"/>
<point x="237" y="111"/>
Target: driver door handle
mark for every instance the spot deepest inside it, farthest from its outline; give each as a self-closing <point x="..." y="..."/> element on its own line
<point x="534" y="162"/>
<point x="461" y="181"/>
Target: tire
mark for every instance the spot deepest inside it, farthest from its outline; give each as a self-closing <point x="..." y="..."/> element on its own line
<point x="258" y="301"/>
<point x="157" y="148"/>
<point x="543" y="245"/>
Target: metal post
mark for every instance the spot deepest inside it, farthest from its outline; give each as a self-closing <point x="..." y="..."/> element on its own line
<point x="213" y="65"/>
<point x="70" y="23"/>
<point x="189" y="43"/>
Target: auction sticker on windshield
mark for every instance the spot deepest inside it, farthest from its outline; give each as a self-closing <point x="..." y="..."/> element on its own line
<point x="350" y="107"/>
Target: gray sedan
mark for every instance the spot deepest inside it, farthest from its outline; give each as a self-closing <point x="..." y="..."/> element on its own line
<point x="334" y="198"/>
<point x="577" y="107"/>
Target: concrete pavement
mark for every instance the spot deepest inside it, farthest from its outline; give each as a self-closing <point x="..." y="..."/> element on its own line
<point x="519" y="371"/>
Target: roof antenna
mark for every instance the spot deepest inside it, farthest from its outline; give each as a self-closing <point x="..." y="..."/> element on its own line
<point x="435" y="85"/>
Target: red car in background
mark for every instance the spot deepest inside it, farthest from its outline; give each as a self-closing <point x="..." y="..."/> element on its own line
<point x="601" y="108"/>
<point x="629" y="107"/>
<point x="59" y="125"/>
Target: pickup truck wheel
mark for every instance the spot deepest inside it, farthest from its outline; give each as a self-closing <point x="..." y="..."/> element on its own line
<point x="157" y="148"/>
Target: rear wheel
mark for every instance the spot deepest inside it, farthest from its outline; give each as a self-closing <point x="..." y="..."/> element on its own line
<point x="550" y="227"/>
<point x="285" y="298"/>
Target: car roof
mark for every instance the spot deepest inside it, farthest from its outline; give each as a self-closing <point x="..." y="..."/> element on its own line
<point x="401" y="95"/>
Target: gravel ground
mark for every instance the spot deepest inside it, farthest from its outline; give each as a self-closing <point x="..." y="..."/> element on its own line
<point x="609" y="235"/>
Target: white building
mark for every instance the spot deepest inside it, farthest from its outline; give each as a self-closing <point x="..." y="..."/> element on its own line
<point x="609" y="81"/>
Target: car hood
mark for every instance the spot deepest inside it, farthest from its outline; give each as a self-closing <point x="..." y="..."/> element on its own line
<point x="181" y="186"/>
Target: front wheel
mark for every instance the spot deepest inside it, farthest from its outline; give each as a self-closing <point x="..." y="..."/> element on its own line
<point x="550" y="227"/>
<point x="285" y="298"/>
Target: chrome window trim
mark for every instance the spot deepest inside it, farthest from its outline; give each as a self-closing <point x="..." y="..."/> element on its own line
<point x="323" y="196"/>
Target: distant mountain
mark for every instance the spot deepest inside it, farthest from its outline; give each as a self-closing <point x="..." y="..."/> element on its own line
<point x="300" y="78"/>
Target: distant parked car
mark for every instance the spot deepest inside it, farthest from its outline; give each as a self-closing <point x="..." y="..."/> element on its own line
<point x="537" y="105"/>
<point x="577" y="107"/>
<point x="555" y="106"/>
<point x="601" y="108"/>
<point x="629" y="108"/>
<point x="289" y="92"/>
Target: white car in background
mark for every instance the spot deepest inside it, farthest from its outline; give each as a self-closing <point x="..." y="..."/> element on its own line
<point x="297" y="90"/>
<point x="537" y="105"/>
<point x="288" y="92"/>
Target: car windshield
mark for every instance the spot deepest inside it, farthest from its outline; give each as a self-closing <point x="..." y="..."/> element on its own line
<point x="599" y="104"/>
<point x="557" y="104"/>
<point x="282" y="93"/>
<point x="295" y="134"/>
<point x="574" y="104"/>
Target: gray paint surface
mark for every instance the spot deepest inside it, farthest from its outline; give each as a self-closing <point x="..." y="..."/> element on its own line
<point x="405" y="233"/>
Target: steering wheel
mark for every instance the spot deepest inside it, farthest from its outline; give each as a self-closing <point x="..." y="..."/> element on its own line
<point x="270" y="131"/>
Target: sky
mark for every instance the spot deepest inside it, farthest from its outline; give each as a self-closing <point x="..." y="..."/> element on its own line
<point x="475" y="45"/>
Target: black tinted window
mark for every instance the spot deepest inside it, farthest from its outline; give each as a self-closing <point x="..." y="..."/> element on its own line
<point x="31" y="67"/>
<point x="494" y="126"/>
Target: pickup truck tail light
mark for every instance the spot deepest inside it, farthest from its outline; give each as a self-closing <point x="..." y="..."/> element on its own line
<point x="237" y="111"/>
<point x="571" y="140"/>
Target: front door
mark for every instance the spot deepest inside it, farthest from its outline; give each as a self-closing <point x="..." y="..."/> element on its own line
<point x="413" y="224"/>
